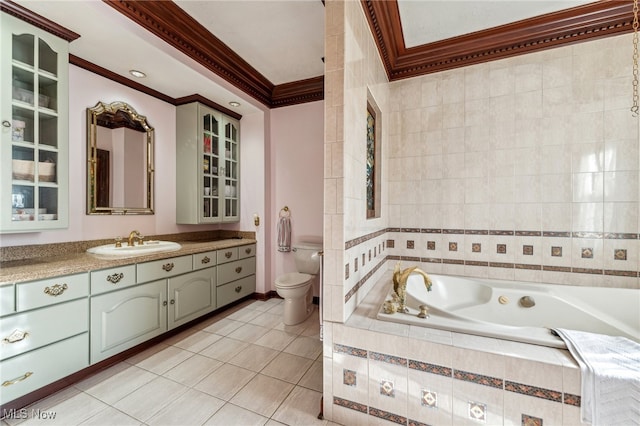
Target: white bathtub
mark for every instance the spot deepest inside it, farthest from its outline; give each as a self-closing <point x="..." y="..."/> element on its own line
<point x="473" y="306"/>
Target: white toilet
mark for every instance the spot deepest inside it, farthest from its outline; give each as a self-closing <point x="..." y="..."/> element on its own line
<point x="296" y="287"/>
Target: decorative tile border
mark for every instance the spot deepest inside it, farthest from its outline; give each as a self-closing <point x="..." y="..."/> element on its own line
<point x="533" y="391"/>
<point x="381" y="414"/>
<point x="430" y="368"/>
<point x="570" y="399"/>
<point x="479" y="379"/>
<point x="349" y="350"/>
<point x="389" y="359"/>
<point x="350" y="405"/>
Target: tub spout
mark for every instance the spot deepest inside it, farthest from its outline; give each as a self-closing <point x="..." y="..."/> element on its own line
<point x="400" y="284"/>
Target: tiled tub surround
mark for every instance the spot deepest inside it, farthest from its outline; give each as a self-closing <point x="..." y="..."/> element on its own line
<point x="385" y="373"/>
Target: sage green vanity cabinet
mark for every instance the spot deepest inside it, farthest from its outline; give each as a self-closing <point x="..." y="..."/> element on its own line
<point x="191" y="296"/>
<point x="207" y="165"/>
<point x="236" y="274"/>
<point x="34" y="87"/>
<point x="35" y="294"/>
<point x="7" y="299"/>
<point x="110" y="279"/>
<point x="124" y="318"/>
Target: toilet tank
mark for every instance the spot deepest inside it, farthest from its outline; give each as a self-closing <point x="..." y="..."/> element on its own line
<point x="307" y="257"/>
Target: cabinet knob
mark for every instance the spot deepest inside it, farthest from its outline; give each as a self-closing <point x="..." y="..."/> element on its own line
<point x="55" y="290"/>
<point x="167" y="266"/>
<point x="164" y="303"/>
<point x="16" y="336"/>
<point x="17" y="379"/>
<point x="238" y="289"/>
<point x="115" y="278"/>
<point x="205" y="260"/>
<point x="248" y="251"/>
<point x="173" y="302"/>
<point x="228" y="254"/>
<point x="239" y="269"/>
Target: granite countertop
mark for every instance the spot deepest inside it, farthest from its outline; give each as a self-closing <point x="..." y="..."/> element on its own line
<point x="37" y="268"/>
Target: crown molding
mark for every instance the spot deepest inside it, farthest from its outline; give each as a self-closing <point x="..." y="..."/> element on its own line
<point x="36" y="20"/>
<point x="594" y="20"/>
<point x="173" y="25"/>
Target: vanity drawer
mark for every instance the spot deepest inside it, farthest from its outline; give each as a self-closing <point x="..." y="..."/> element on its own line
<point x="35" y="294"/>
<point x="235" y="270"/>
<point x="158" y="269"/>
<point x="246" y="251"/>
<point x="204" y="260"/>
<point x="227" y="255"/>
<point x="25" y="373"/>
<point x="7" y="299"/>
<point x="24" y="332"/>
<point x="235" y="290"/>
<point x="112" y="278"/>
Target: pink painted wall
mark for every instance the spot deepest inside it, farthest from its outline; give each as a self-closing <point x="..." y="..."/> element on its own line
<point x="297" y="172"/>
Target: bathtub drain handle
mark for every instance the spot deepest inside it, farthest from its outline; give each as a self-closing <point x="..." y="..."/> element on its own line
<point x="527" y="302"/>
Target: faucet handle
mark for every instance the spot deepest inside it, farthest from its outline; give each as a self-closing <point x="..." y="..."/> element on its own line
<point x="118" y="242"/>
<point x="140" y="239"/>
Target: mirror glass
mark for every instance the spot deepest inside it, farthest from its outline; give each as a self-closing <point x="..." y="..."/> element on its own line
<point x="120" y="160"/>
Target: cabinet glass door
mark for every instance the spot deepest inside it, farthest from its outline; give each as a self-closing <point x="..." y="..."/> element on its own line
<point x="231" y="172"/>
<point x="34" y="131"/>
<point x="211" y="167"/>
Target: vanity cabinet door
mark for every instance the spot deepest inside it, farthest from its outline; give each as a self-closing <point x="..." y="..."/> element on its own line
<point x="191" y="295"/>
<point x="125" y="318"/>
<point x="34" y="69"/>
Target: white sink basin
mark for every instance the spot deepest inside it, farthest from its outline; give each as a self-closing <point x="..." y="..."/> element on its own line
<point x="127" y="251"/>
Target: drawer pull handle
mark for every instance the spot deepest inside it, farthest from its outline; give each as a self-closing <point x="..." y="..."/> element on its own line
<point x="16" y="336"/>
<point x="168" y="266"/>
<point x="17" y="379"/>
<point x="248" y="251"/>
<point x="55" y="290"/>
<point x="115" y="278"/>
<point x="205" y="260"/>
<point x="228" y="254"/>
<point x="239" y="269"/>
<point x="238" y="289"/>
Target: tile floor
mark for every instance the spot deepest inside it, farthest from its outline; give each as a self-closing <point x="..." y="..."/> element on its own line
<point x="241" y="367"/>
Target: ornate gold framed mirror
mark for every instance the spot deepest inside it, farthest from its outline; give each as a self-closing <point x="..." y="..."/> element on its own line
<point x="119" y="160"/>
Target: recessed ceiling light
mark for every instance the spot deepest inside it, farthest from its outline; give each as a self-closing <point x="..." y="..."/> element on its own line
<point x="138" y="74"/>
<point x="234" y="104"/>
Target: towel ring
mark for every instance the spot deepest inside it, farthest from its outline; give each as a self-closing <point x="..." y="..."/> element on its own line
<point x="285" y="212"/>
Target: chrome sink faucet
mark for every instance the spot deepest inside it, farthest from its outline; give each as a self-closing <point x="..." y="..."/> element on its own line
<point x="135" y="234"/>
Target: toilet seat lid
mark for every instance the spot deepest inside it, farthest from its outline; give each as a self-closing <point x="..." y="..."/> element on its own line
<point x="293" y="279"/>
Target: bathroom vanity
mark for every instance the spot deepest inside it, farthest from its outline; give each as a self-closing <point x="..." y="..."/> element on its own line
<point x="59" y="324"/>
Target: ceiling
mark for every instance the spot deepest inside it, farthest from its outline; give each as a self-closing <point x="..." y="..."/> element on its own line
<point x="269" y="53"/>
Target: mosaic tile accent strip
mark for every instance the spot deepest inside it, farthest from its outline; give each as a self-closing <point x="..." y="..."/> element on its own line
<point x="501" y="265"/>
<point x="410" y="244"/>
<point x="620" y="236"/>
<point x="355" y="265"/>
<point x="556" y="251"/>
<point x="453" y="261"/>
<point x="453" y="231"/>
<point x="416" y="423"/>
<point x="498" y="232"/>
<point x="389" y="359"/>
<point x="349" y="350"/>
<point x="620" y="254"/>
<point x="363" y="239"/>
<point x="528" y="420"/>
<point x="476" y="232"/>
<point x="475" y="263"/>
<point x="573" y="400"/>
<point x="346" y="271"/>
<point x="430" y="368"/>
<point x="476" y="247"/>
<point x="349" y="377"/>
<point x="387" y="388"/>
<point x="350" y="404"/>
<point x="431" y="231"/>
<point x="556" y="268"/>
<point x="527" y="250"/>
<point x="527" y="266"/>
<point x="621" y="273"/>
<point x="479" y="379"/>
<point x="390" y="417"/>
<point x="453" y="246"/>
<point x="428" y="398"/>
<point x="430" y="260"/>
<point x="528" y="233"/>
<point x="501" y="248"/>
<point x="391" y="243"/>
<point x="587" y="253"/>
<point x="431" y="245"/>
<point x="596" y="235"/>
<point x="556" y="234"/>
<point x="533" y="391"/>
<point x="587" y="271"/>
<point x="478" y="411"/>
<point x="413" y="230"/>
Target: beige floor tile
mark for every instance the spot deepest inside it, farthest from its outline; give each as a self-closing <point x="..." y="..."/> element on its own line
<point x="262" y="395"/>
<point x="116" y="382"/>
<point x="45" y="404"/>
<point x="223" y="327"/>
<point x="163" y="361"/>
<point x="195" y="342"/>
<point x="272" y="422"/>
<point x="312" y="379"/>
<point x="276" y="339"/>
<point x="146" y="401"/>
<point x="243" y="315"/>
<point x="249" y="333"/>
<point x="300" y="408"/>
<point x="266" y="319"/>
<point x="192" y="408"/>
<point x="225" y="381"/>
<point x="253" y="357"/>
<point x="287" y="367"/>
<point x="71" y="411"/>
<point x="147" y="353"/>
<point x="109" y="417"/>
<point x="192" y="370"/>
<point x="233" y="415"/>
<point x="277" y="309"/>
<point x="261" y="305"/>
<point x="307" y="347"/>
<point x="224" y="349"/>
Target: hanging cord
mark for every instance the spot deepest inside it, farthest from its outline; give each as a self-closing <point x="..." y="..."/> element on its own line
<point x="635" y="109"/>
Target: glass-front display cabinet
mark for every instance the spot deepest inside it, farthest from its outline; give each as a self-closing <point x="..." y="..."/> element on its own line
<point x="34" y="151"/>
<point x="208" y="165"/>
